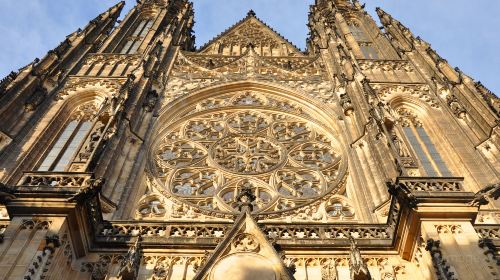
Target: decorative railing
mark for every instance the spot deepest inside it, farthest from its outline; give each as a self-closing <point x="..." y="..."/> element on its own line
<point x="211" y="233"/>
<point x="56" y="180"/>
<point x="426" y="184"/>
<point x="385" y="65"/>
<point x="184" y="230"/>
<point x="488" y="231"/>
<point x="285" y="232"/>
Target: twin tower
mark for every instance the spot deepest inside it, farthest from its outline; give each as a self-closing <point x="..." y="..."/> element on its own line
<point x="127" y="153"/>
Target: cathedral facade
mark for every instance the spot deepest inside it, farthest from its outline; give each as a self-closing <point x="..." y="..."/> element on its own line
<point x="127" y="153"/>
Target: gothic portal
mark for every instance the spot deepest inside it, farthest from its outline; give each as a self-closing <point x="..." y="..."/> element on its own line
<point x="127" y="153"/>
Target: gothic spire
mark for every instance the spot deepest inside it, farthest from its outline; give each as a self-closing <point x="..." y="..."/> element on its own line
<point x="397" y="32"/>
<point x="95" y="31"/>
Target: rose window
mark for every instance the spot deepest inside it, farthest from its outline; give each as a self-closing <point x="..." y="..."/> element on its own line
<point x="286" y="160"/>
<point x="247" y="154"/>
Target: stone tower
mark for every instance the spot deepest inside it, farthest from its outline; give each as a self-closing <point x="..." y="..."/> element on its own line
<point x="127" y="153"/>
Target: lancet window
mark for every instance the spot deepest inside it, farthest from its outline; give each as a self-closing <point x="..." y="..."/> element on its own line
<point x="357" y="32"/>
<point x="77" y="140"/>
<point x="365" y="43"/>
<point x="431" y="161"/>
<point x="369" y="52"/>
<point x="135" y="39"/>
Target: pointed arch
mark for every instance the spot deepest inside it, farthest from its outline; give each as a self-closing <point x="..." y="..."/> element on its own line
<point x="76" y="128"/>
<point x="196" y="151"/>
<point x="415" y="128"/>
<point x="310" y="105"/>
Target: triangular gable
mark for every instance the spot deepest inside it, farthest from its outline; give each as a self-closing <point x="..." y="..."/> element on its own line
<point x="250" y="30"/>
<point x="245" y="253"/>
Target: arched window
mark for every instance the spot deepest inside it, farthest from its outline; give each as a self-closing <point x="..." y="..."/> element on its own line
<point x="135" y="39"/>
<point x="369" y="52"/>
<point x="357" y="32"/>
<point x="365" y="43"/>
<point x="422" y="145"/>
<point x="69" y="147"/>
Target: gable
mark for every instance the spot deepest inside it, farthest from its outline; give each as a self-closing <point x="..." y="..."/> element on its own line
<point x="250" y="30"/>
<point x="245" y="253"/>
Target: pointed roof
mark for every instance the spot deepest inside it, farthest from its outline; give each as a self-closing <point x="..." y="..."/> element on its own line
<point x="245" y="253"/>
<point x="241" y="32"/>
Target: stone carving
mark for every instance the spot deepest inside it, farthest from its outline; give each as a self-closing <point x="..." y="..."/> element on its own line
<point x="193" y="71"/>
<point x="248" y="122"/>
<point x="490" y="251"/>
<point x="339" y="209"/>
<point x="314" y="155"/>
<point x="245" y="242"/>
<point x="6" y="82"/>
<point x="449" y="229"/>
<point x="488" y="231"/>
<point x="35" y="99"/>
<point x="386" y="65"/>
<point x="436" y="185"/>
<point x="106" y="64"/>
<point x="74" y="180"/>
<point x="74" y="84"/>
<point x="205" y="161"/>
<point x="441" y="266"/>
<point x="151" y="206"/>
<point x="421" y="91"/>
<point x="247" y="155"/>
<point x="4" y="140"/>
<point x="485" y="195"/>
<point x="359" y="269"/>
<point x="42" y="260"/>
<point x="179" y="154"/>
<point x="98" y="270"/>
<point x="455" y="106"/>
<point x="250" y="31"/>
<point x="489" y="97"/>
<point x="346" y="103"/>
<point x="88" y="191"/>
<point x="150" y="101"/>
<point x="129" y="267"/>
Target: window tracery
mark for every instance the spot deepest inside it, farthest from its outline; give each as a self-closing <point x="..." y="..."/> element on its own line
<point x="151" y="206"/>
<point x="369" y="51"/>
<point x="78" y="140"/>
<point x="357" y="31"/>
<point x="338" y="208"/>
<point x="206" y="158"/>
<point x="134" y="40"/>
<point x="419" y="140"/>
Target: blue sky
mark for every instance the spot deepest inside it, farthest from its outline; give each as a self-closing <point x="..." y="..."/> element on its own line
<point x="464" y="32"/>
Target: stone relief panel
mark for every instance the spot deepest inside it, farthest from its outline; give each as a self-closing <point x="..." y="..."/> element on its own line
<point x="193" y="71"/>
<point x="251" y="31"/>
<point x="389" y="71"/>
<point x="420" y="91"/>
<point x="246" y="140"/>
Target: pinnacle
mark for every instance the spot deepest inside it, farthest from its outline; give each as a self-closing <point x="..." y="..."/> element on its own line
<point x="251" y="13"/>
<point x="380" y="11"/>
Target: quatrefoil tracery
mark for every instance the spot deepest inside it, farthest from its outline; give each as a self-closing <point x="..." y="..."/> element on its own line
<point x="285" y="160"/>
